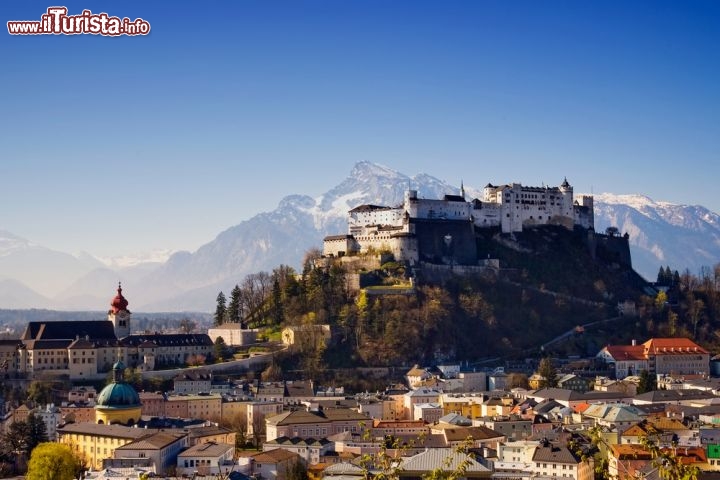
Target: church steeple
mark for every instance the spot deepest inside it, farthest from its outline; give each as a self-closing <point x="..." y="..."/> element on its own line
<point x="462" y="189"/>
<point x="119" y="315"/>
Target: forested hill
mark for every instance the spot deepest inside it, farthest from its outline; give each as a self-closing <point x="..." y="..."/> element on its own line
<point x="548" y="284"/>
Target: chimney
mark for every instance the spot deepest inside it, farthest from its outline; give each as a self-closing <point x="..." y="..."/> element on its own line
<point x="634" y="342"/>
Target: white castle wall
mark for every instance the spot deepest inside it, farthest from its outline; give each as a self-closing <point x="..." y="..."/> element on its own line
<point x="512" y="207"/>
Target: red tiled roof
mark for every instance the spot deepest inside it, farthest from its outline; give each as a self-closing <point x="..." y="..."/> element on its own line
<point x="627" y="352"/>
<point x="668" y="346"/>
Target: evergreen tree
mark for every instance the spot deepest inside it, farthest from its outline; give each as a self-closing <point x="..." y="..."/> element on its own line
<point x="37" y="431"/>
<point x="548" y="372"/>
<point x="232" y="314"/>
<point x="648" y="383"/>
<point x="277" y="306"/>
<point x="220" y="310"/>
<point x="220" y="349"/>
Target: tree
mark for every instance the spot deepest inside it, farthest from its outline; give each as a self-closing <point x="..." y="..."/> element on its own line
<point x="648" y="382"/>
<point x="40" y="392"/>
<point x="548" y="372"/>
<point x="670" y="466"/>
<point x="53" y="461"/>
<point x="233" y="313"/>
<point x="16" y="439"/>
<point x="220" y="309"/>
<point x="220" y="349"/>
<point x="187" y="325"/>
<point x="37" y="431"/>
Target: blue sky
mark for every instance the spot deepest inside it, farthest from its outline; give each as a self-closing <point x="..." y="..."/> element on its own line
<point x="119" y="145"/>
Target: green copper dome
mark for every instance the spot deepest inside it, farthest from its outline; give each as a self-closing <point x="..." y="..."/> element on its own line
<point x="118" y="394"/>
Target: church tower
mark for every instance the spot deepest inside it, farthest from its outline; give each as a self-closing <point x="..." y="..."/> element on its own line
<point x="119" y="315"/>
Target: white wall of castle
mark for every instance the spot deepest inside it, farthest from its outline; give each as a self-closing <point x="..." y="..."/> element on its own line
<point x="511" y="207"/>
<point x="382" y="216"/>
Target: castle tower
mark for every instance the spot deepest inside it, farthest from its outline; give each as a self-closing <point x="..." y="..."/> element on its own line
<point x="567" y="192"/>
<point x="119" y="315"/>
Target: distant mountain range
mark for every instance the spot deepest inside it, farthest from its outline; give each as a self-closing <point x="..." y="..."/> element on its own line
<point x="31" y="276"/>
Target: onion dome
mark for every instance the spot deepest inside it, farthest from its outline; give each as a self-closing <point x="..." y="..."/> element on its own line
<point x="118" y="394"/>
<point x="119" y="303"/>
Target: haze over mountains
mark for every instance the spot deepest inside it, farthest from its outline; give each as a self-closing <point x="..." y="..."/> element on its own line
<point x="32" y="276"/>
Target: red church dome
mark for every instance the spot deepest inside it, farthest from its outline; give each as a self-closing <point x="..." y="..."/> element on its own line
<point x="119" y="303"/>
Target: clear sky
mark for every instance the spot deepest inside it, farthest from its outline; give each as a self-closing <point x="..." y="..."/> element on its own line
<point x="128" y="144"/>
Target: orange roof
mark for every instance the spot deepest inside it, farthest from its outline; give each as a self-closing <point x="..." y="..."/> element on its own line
<point x="666" y="346"/>
<point x="581" y="407"/>
<point x="627" y="352"/>
<point x="630" y="451"/>
<point x="688" y="455"/>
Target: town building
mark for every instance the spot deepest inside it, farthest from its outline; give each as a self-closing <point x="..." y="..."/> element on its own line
<point x="657" y="356"/>
<point x="86" y="350"/>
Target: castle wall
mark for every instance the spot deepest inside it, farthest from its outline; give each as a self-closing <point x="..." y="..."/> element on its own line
<point x="613" y="249"/>
<point x="377" y="216"/>
<point x="438" y="209"/>
<point x="450" y="242"/>
<point x="339" y="245"/>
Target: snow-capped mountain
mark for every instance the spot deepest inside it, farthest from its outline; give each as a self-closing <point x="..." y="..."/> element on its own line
<point x="660" y="234"/>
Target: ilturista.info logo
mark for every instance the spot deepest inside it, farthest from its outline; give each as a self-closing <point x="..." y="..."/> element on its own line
<point x="56" y="21"/>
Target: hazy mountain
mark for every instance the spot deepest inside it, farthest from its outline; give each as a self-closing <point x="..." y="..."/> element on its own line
<point x="39" y="268"/>
<point x="660" y="234"/>
<point x="14" y="294"/>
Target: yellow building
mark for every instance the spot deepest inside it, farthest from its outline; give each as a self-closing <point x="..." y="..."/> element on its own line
<point x="95" y="443"/>
<point x="118" y="402"/>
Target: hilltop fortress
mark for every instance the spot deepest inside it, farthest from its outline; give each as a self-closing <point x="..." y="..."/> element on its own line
<point x="443" y="230"/>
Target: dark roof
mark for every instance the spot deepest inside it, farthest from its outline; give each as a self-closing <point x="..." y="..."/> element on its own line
<point x="10" y="342"/>
<point x="453" y="198"/>
<point x="47" y="344"/>
<point x="299" y="389"/>
<point x="554" y="454"/>
<point x="69" y="330"/>
<point x="338" y="237"/>
<point x="368" y="208"/>
<point x="194" y="375"/>
<point x="168" y="340"/>
<point x="674" y="395"/>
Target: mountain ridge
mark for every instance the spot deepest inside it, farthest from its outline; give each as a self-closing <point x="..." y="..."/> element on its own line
<point x="661" y="233"/>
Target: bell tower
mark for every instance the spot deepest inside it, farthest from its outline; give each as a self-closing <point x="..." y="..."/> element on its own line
<point x="119" y="315"/>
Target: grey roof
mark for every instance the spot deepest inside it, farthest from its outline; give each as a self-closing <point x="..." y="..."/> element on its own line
<point x="169" y="340"/>
<point x="447" y="459"/>
<point x="302" y="416"/>
<point x="299" y="389"/>
<point x="155" y="441"/>
<point x="710" y="436"/>
<point x="554" y="454"/>
<point x="308" y="442"/>
<point x="344" y="468"/>
<point x="674" y="395"/>
<point x="114" y="431"/>
<point x="615" y="413"/>
<point x="561" y="394"/>
<point x="456" y="419"/>
<point x="194" y="375"/>
<point x="208" y="449"/>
